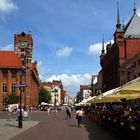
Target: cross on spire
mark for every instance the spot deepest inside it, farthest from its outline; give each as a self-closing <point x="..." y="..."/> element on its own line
<point x="134" y="7"/>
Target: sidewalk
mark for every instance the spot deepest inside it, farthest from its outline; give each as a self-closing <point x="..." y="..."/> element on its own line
<point x="9" y="128"/>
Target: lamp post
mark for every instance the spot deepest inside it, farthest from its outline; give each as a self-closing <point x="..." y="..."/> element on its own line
<point x="20" y="101"/>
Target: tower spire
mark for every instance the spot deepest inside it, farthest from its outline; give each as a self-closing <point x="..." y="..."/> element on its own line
<point x="103" y="50"/>
<point x="118" y="25"/>
<point x="134" y="7"/>
<point x="123" y="24"/>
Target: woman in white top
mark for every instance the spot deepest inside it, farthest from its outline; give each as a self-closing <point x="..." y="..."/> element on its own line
<point x="79" y="115"/>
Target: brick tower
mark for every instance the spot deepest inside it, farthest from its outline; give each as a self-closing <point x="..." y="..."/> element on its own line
<point x="23" y="45"/>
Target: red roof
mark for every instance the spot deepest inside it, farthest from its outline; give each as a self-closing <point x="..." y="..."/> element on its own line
<point x="8" y="59"/>
<point x="57" y="82"/>
<point x="34" y="65"/>
<point x="46" y="84"/>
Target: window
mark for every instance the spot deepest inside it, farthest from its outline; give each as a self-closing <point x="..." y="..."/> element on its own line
<point x="134" y="65"/>
<point x="122" y="73"/>
<point x="13" y="87"/>
<point x="4" y="74"/>
<point x="22" y="49"/>
<point x="4" y="87"/>
<point x="139" y="62"/>
<point x="23" y="89"/>
<point x="124" y="81"/>
<point x="13" y="74"/>
<point x="4" y="102"/>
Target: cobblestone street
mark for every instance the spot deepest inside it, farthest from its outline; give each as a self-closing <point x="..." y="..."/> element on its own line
<point x="58" y="128"/>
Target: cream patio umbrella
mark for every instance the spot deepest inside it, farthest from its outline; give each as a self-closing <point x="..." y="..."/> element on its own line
<point x="130" y="90"/>
<point x="86" y="101"/>
<point x="102" y="97"/>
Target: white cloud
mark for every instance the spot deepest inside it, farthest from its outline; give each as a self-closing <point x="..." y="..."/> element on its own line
<point x="64" y="52"/>
<point x="96" y="48"/>
<point x="72" y="82"/>
<point x="7" y="48"/>
<point x="7" y="6"/>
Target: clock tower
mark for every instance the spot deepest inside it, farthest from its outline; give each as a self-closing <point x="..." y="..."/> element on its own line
<point x="23" y="45"/>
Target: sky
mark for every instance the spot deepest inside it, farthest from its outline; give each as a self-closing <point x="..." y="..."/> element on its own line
<point x="67" y="34"/>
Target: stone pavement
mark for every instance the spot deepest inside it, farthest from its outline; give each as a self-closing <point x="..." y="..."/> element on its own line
<point x="57" y="127"/>
<point x="9" y="128"/>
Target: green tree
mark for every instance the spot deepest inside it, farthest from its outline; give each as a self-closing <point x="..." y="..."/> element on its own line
<point x="78" y="97"/>
<point x="12" y="99"/>
<point x="44" y="95"/>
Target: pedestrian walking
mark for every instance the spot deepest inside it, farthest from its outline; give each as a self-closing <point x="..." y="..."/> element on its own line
<point x="79" y="115"/>
<point x="48" y="110"/>
<point x="68" y="112"/>
<point x="55" y="111"/>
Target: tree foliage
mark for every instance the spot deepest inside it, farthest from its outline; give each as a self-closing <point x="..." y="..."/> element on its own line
<point x="78" y="97"/>
<point x="44" y="95"/>
<point x="12" y="99"/>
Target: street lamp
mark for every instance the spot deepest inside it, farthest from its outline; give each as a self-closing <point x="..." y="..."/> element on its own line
<point x="20" y="101"/>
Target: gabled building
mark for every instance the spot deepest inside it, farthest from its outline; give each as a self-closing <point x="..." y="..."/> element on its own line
<point x="57" y="91"/>
<point x="11" y="65"/>
<point x="126" y="45"/>
<point x="85" y="91"/>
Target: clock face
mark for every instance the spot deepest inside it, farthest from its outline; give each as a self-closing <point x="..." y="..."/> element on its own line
<point x="23" y="44"/>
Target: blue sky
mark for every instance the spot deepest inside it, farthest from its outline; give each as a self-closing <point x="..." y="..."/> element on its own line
<point x="67" y="34"/>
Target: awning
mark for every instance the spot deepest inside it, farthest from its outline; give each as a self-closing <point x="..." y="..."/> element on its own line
<point x="130" y="90"/>
<point x="102" y="97"/>
<point x="85" y="101"/>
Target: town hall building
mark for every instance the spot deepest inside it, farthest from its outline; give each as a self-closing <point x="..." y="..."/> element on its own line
<point x="126" y="45"/>
<point x="17" y="68"/>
